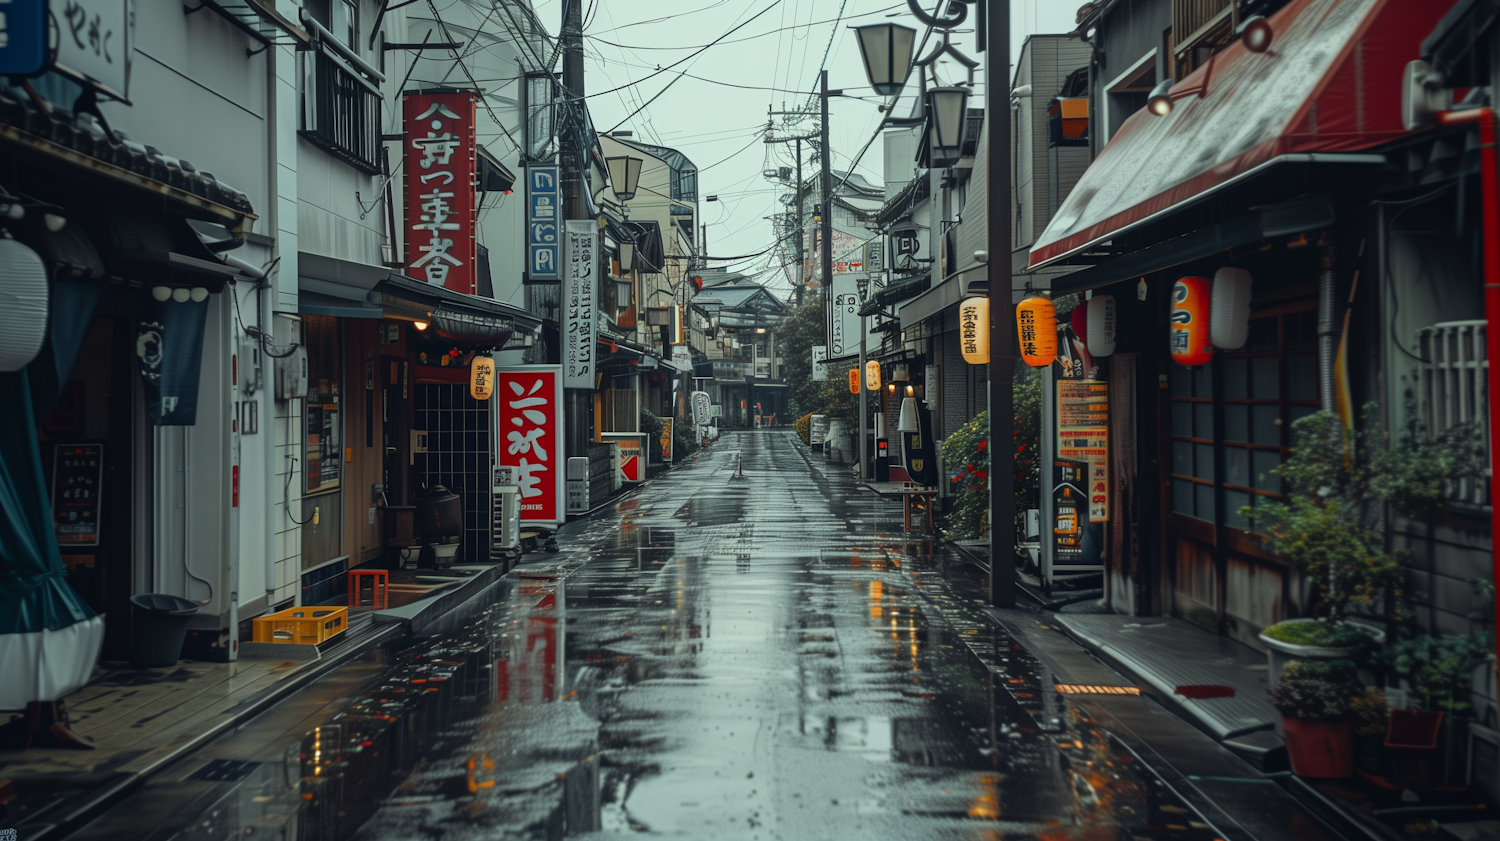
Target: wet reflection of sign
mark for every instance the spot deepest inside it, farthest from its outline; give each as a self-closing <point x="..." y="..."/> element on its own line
<point x="529" y="674"/>
<point x="1083" y="436"/>
<point x="77" y="478"/>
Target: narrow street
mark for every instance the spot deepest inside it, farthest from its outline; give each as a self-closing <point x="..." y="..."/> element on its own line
<point x="758" y="657"/>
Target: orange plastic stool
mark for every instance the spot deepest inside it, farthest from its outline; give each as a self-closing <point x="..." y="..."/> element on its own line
<point x="380" y="587"/>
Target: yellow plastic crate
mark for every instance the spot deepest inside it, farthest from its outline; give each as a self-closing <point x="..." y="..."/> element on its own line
<point x="302" y="625"/>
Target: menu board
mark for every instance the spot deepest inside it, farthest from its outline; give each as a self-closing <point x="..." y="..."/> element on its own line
<point x="1083" y="436"/>
<point x="77" y="478"/>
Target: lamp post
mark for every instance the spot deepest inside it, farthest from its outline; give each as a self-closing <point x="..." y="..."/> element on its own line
<point x="624" y="176"/>
<point x="884" y="62"/>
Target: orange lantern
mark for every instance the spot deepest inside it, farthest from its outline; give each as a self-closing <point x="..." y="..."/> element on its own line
<point x="853" y="380"/>
<point x="1188" y="328"/>
<point x="1036" y="329"/>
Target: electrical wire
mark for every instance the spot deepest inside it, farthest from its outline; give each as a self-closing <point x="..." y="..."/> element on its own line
<point x="748" y="37"/>
<point x="1385" y="261"/>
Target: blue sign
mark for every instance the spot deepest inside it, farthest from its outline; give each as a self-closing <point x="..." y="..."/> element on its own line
<point x="23" y="41"/>
<point x="543" y="224"/>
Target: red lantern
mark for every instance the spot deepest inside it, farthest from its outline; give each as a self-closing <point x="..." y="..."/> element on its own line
<point x="1188" y="327"/>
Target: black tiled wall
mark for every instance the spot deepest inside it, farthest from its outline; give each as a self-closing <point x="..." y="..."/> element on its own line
<point x="458" y="457"/>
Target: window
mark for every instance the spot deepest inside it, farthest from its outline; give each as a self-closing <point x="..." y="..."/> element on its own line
<point x="340" y="109"/>
<point x="345" y="23"/>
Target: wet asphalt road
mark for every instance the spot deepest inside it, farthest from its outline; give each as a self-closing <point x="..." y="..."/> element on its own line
<point x="769" y="657"/>
<point x="713" y="657"/>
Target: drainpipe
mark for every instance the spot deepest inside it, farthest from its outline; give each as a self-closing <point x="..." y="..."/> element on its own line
<point x="1490" y="198"/>
<point x="1328" y="332"/>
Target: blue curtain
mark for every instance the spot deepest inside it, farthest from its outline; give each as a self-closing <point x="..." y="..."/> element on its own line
<point x="34" y="592"/>
<point x="71" y="314"/>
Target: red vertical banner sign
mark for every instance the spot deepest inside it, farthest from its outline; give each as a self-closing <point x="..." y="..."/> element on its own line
<point x="529" y="438"/>
<point x="440" y="199"/>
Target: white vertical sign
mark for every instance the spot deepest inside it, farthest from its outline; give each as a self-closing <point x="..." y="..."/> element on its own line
<point x="580" y="266"/>
<point x="844" y="323"/>
<point x="819" y="366"/>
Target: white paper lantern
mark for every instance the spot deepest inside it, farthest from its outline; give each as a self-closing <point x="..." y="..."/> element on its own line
<point x="1101" y="325"/>
<point x="181" y="295"/>
<point x="23" y="304"/>
<point x="1229" y="320"/>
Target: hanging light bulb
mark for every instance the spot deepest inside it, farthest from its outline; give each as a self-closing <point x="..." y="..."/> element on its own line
<point x="161" y="293"/>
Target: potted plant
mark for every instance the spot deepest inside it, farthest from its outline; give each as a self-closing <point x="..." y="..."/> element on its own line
<point x="1315" y="698"/>
<point x="1340" y="486"/>
<point x="1371" y="721"/>
<point x="1439" y="668"/>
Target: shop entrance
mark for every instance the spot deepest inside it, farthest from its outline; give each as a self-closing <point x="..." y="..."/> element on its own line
<point x="86" y="446"/>
<point x="1231" y="425"/>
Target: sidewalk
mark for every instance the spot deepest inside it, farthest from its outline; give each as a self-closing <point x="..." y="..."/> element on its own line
<point x="143" y="720"/>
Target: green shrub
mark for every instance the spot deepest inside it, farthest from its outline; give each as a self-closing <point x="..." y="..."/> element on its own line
<point x="1317" y="690"/>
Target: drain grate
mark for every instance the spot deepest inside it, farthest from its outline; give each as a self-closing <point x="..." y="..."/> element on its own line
<point x="1087" y="689"/>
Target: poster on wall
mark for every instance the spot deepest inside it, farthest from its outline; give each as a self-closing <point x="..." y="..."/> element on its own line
<point x="581" y="259"/>
<point x="440" y="172"/>
<point x="528" y="430"/>
<point x="77" y="479"/>
<point x="1083" y="435"/>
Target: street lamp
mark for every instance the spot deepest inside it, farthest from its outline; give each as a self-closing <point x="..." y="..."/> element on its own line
<point x="947" y="117"/>
<point x="624" y="175"/>
<point x="886" y="50"/>
<point x="627" y="256"/>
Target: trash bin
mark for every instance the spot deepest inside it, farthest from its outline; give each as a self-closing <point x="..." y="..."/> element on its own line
<point x="158" y="626"/>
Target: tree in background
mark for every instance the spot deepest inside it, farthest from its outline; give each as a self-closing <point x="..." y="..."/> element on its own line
<point x="808" y="326"/>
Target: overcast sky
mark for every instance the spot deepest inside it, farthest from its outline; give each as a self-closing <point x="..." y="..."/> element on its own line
<point x="775" y="58"/>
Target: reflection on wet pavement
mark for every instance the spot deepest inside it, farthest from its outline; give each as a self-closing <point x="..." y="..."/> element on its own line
<point x="770" y="658"/>
<point x="757" y="658"/>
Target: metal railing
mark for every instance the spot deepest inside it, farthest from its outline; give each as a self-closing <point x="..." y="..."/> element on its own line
<point x="340" y="110"/>
<point x="1191" y="17"/>
<point x="1453" y="382"/>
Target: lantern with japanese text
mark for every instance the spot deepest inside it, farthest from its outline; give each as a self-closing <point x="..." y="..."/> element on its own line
<point x="872" y="376"/>
<point x="1099" y="328"/>
<point x="1188" y="327"/>
<point x="1230" y="324"/>
<point x="974" y="330"/>
<point x="853" y="380"/>
<point x="482" y="378"/>
<point x="1036" y="329"/>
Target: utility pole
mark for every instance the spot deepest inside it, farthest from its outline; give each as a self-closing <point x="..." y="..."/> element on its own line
<point x="827" y="154"/>
<point x="996" y="24"/>
<point x="578" y="403"/>
<point x="801" y="245"/>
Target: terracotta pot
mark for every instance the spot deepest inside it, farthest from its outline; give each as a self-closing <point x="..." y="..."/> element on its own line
<point x="1411" y="741"/>
<point x="1320" y="748"/>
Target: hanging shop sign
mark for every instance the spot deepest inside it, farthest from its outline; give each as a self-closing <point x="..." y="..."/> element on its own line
<point x="77" y="479"/>
<point x="169" y="355"/>
<point x="702" y="408"/>
<point x="440" y="171"/>
<point x="1188" y="326"/>
<point x="528" y="431"/>
<point x="974" y="330"/>
<point x="1230" y="313"/>
<point x="581" y="253"/>
<point x="819" y="364"/>
<point x="853" y="380"/>
<point x="1083" y="436"/>
<point x="482" y="378"/>
<point x="1100" y="325"/>
<point x="23" y="41"/>
<point x="94" y="43"/>
<point x="544" y="231"/>
<point x="844" y="322"/>
<point x="1036" y="328"/>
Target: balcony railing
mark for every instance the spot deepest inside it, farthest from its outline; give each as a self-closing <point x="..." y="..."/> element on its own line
<point x="1193" y="20"/>
<point x="340" y="110"/>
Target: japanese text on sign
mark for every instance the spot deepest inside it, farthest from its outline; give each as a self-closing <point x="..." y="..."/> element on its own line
<point x="543" y="241"/>
<point x="1083" y="435"/>
<point x="93" y="41"/>
<point x="440" y="162"/>
<point x="582" y="254"/>
<point x="528" y="437"/>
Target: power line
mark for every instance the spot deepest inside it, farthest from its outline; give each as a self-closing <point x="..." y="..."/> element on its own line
<point x="748" y="37"/>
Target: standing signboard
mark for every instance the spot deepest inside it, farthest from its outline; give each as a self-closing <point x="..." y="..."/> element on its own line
<point x="817" y="431"/>
<point x="581" y="255"/>
<point x="440" y="173"/>
<point x="77" y="479"/>
<point x="702" y="408"/>
<point x="1080" y="496"/>
<point x="632" y="446"/>
<point x="543" y="232"/>
<point x="666" y="440"/>
<point x="528" y="431"/>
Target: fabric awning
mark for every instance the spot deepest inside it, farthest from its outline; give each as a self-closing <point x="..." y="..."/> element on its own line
<point x="1329" y="85"/>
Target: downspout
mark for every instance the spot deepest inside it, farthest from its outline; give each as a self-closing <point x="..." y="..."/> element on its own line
<point x="1328" y="327"/>
<point x="1490" y="198"/>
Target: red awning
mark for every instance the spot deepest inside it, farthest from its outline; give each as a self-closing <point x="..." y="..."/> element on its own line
<point x="1329" y="85"/>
